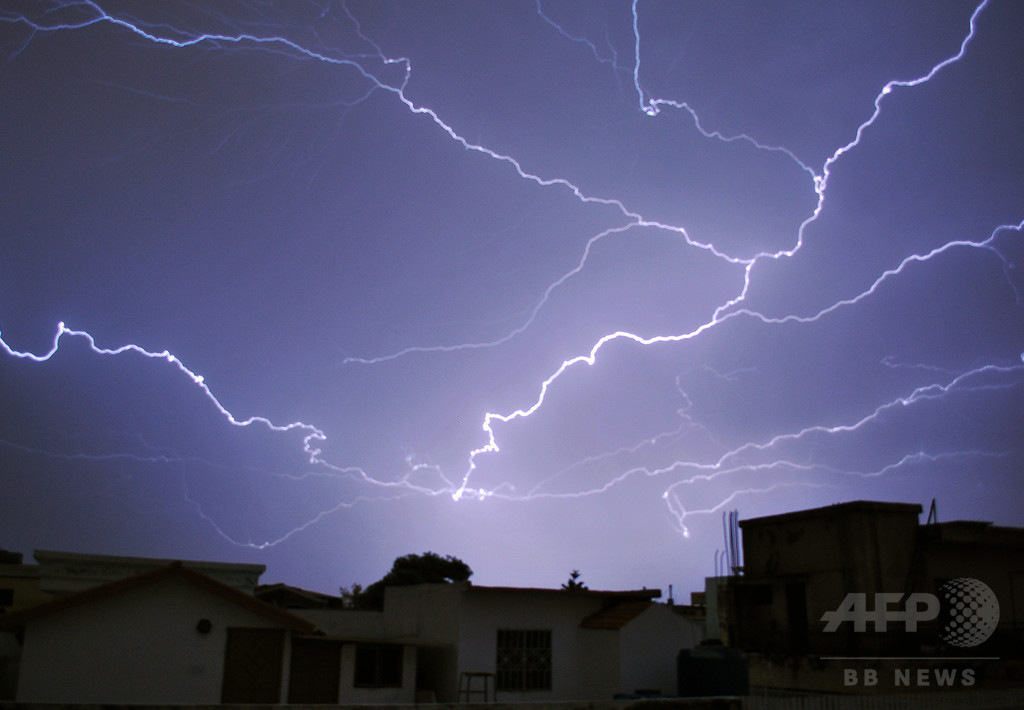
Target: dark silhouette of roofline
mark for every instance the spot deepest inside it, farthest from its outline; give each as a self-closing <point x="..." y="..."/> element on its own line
<point x="624" y="594"/>
<point x="855" y="506"/>
<point x="177" y="569"/>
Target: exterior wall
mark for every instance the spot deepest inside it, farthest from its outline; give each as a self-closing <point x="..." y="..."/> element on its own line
<point x="437" y="674"/>
<point x="650" y="644"/>
<point x="141" y="646"/>
<point x="346" y="623"/>
<point x="799" y="565"/>
<point x="10" y="661"/>
<point x="368" y="626"/>
<point x="349" y="694"/>
<point x="425" y="617"/>
<point x="716" y="620"/>
<point x="600" y="664"/>
<point x="991" y="554"/>
<point x="584" y="661"/>
<point x="846" y="548"/>
<point x="23" y="582"/>
<point x="428" y="612"/>
<point x="450" y="629"/>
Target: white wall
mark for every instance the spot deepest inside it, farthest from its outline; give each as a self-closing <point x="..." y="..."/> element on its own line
<point x="346" y="623"/>
<point x="588" y="664"/>
<point x="140" y="646"/>
<point x="367" y="696"/>
<point x="649" y="645"/>
<point x="428" y="612"/>
<point x="583" y="659"/>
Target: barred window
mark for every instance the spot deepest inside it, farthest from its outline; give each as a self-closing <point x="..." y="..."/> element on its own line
<point x="523" y="659"/>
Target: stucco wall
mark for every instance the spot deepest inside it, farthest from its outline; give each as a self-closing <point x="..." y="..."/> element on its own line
<point x="584" y="661"/>
<point x="650" y="644"/>
<point x="346" y="623"/>
<point x="352" y="695"/>
<point x="429" y="612"/>
<point x="136" y="647"/>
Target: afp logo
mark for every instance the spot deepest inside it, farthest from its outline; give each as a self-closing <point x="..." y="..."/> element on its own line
<point x="969" y="610"/>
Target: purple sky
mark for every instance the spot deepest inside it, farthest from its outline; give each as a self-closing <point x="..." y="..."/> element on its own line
<point x="672" y="259"/>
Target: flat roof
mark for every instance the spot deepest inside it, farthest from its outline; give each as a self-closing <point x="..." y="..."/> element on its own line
<point x="856" y="506"/>
<point x="627" y="594"/>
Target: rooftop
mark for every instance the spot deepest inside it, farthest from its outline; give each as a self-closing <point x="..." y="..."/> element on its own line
<point x="857" y="506"/>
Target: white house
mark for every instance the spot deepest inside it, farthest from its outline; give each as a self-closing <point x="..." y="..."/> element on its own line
<point x="174" y="635"/>
<point x="523" y="644"/>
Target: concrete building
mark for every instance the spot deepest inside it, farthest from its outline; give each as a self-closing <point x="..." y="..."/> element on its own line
<point x="19" y="583"/>
<point x="173" y="635"/>
<point x="60" y="574"/>
<point x="799" y="567"/>
<point x="19" y="589"/>
<point x="169" y="635"/>
<point x="526" y="644"/>
<point x="139" y="630"/>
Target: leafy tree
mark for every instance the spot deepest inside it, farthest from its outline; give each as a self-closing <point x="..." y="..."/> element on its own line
<point x="574" y="583"/>
<point x="428" y="568"/>
<point x="350" y="596"/>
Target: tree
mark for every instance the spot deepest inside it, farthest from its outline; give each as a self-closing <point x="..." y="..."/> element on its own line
<point x="428" y="568"/>
<point x="350" y="596"/>
<point x="574" y="583"/>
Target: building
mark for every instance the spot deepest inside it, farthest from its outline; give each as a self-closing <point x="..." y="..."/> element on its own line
<point x="119" y="630"/>
<point x="59" y="575"/>
<point x="170" y="635"/>
<point x="19" y="589"/>
<point x="19" y="583"/>
<point x="520" y="644"/>
<point x="800" y="567"/>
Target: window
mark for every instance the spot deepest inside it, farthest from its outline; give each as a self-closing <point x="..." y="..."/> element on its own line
<point x="378" y="666"/>
<point x="523" y="659"/>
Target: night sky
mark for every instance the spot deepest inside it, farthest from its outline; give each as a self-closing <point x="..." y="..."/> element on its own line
<point x="542" y="285"/>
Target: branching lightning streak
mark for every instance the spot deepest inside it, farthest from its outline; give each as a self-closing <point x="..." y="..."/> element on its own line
<point x="736" y="460"/>
<point x="312" y="433"/>
<point x="652" y="108"/>
<point x="612" y="61"/>
<point x="730" y="462"/>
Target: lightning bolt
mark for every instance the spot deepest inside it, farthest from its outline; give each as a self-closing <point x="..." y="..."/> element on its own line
<point x="372" y="67"/>
<point x="652" y="107"/>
